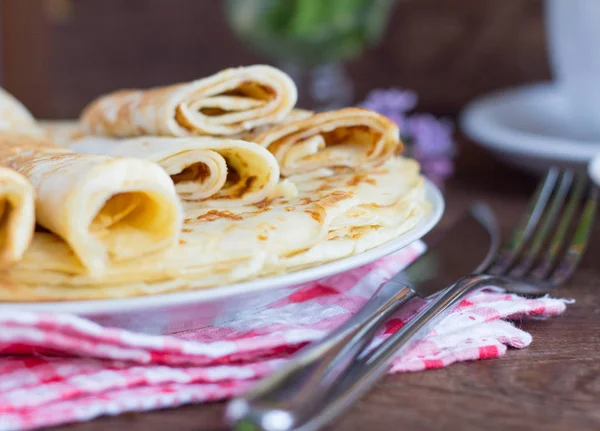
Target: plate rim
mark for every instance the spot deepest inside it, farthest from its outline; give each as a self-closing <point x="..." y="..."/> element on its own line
<point x="115" y="305"/>
<point x="494" y="136"/>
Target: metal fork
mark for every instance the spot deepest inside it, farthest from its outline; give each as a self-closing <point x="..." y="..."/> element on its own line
<point x="543" y="252"/>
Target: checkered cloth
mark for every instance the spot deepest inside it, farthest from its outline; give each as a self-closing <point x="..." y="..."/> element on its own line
<point x="57" y="368"/>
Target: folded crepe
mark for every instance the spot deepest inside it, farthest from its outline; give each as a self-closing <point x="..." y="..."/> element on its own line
<point x="104" y="208"/>
<point x="228" y="103"/>
<point x="221" y="172"/>
<point x="17" y="216"/>
<point x="350" y="137"/>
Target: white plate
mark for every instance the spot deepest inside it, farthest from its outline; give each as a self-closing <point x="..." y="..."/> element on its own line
<point x="530" y="127"/>
<point x="179" y="311"/>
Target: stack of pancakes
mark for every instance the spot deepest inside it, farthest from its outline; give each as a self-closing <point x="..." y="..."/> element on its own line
<point x="194" y="185"/>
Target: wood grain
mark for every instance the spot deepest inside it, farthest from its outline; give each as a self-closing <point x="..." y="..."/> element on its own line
<point x="554" y="384"/>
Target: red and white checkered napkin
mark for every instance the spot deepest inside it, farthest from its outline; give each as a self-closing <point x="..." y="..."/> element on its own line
<point x="57" y="368"/>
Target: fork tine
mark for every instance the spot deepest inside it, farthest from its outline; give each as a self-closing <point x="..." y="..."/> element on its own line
<point x="548" y="221"/>
<point x="527" y="224"/>
<point x="580" y="240"/>
<point x="543" y="270"/>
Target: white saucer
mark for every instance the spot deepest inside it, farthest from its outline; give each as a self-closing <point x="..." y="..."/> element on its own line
<point x="594" y="169"/>
<point x="530" y="127"/>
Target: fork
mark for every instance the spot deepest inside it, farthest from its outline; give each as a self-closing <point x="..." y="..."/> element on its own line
<point x="542" y="253"/>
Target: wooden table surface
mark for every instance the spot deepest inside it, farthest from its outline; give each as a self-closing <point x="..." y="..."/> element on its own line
<point x="554" y="384"/>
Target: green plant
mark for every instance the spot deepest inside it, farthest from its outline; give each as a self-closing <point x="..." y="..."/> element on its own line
<point x="309" y="32"/>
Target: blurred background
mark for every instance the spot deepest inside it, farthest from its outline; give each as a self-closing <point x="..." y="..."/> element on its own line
<point x="57" y="55"/>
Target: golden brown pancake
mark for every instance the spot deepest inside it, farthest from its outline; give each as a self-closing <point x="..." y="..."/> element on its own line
<point x="350" y="137"/>
<point x="225" y="104"/>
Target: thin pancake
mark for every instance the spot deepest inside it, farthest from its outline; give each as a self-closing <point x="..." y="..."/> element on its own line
<point x="350" y="137"/>
<point x="219" y="172"/>
<point x="225" y="104"/>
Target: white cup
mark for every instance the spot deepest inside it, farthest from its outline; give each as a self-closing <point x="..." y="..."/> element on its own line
<point x="573" y="31"/>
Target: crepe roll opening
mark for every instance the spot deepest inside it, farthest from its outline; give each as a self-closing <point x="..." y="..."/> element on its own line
<point x="352" y="134"/>
<point x="244" y="101"/>
<point x="7" y="214"/>
<point x="17" y="219"/>
<point x="240" y="172"/>
<point x="121" y="209"/>
<point x="5" y="210"/>
<point x="242" y="175"/>
<point x="197" y="174"/>
<point x="131" y="216"/>
<point x="360" y="138"/>
<point x="252" y="90"/>
<point x="245" y="95"/>
<point x="346" y="138"/>
<point x="237" y="100"/>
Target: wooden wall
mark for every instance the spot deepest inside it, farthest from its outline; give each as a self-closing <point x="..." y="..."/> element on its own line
<point x="59" y="54"/>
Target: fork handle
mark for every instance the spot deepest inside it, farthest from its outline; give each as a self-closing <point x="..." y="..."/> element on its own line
<point x="368" y="369"/>
<point x="294" y="393"/>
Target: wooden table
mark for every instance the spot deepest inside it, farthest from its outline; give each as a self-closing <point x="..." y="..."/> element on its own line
<point x="554" y="384"/>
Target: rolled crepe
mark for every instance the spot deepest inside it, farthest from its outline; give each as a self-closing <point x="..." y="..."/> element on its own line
<point x="17" y="216"/>
<point x="15" y="117"/>
<point x="350" y="137"/>
<point x="225" y="104"/>
<point x="231" y="171"/>
<point x="104" y="208"/>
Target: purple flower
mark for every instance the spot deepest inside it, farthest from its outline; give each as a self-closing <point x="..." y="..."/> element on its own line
<point x="438" y="170"/>
<point x="431" y="138"/>
<point x="428" y="139"/>
<point x="400" y="120"/>
<point x="392" y="102"/>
